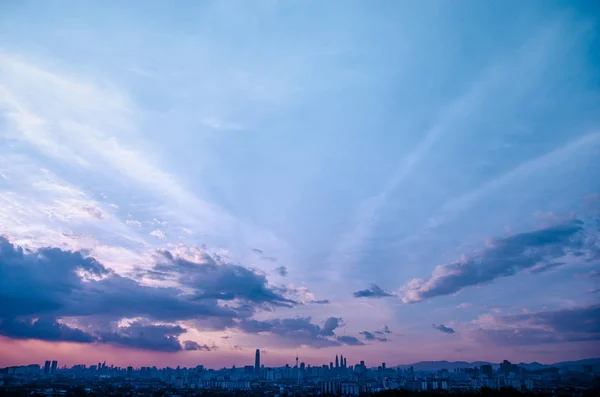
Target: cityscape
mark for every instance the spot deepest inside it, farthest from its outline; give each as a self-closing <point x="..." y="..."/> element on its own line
<point x="336" y="378"/>
<point x="295" y="198"/>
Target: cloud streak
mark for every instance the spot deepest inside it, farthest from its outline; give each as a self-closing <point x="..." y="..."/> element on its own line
<point x="505" y="257"/>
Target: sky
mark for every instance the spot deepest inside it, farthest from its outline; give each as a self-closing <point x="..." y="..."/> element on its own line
<point x="183" y="183"/>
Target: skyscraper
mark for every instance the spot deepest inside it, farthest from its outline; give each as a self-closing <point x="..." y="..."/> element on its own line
<point x="342" y="360"/>
<point x="337" y="362"/>
<point x="257" y="362"/>
<point x="47" y="368"/>
<point x="54" y="365"/>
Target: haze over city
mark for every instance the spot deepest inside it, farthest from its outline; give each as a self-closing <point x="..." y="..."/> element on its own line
<point x="183" y="183"/>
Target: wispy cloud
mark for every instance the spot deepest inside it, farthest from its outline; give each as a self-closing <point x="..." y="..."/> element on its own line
<point x="481" y="91"/>
<point x="96" y="126"/>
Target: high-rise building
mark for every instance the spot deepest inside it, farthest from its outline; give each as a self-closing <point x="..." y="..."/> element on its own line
<point x="129" y="372"/>
<point x="54" y="365"/>
<point x="342" y="360"/>
<point x="337" y="361"/>
<point x="47" y="368"/>
<point x="257" y="362"/>
<point x="345" y="363"/>
<point x="487" y="370"/>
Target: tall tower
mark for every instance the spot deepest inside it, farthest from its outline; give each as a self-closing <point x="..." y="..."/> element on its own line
<point x="297" y="371"/>
<point x="257" y="362"/>
<point x="54" y="366"/>
<point x="342" y="360"/>
<point x="337" y="362"/>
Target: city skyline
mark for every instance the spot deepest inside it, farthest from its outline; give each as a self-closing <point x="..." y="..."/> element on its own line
<point x="50" y="367"/>
<point x="306" y="380"/>
<point x="401" y="183"/>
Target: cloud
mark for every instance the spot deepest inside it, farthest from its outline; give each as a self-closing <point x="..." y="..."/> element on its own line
<point x="282" y="271"/>
<point x="330" y="325"/>
<point x="370" y="336"/>
<point x="258" y="251"/>
<point x="385" y="330"/>
<point x="50" y="284"/>
<point x="212" y="277"/>
<point x="131" y="222"/>
<point x="454" y="116"/>
<point x="92" y="129"/>
<point x="543" y="327"/>
<point x="191" y="345"/>
<point x="444" y="329"/>
<point x="137" y="335"/>
<point x="43" y="328"/>
<point x="294" y="332"/>
<point x="158" y="234"/>
<point x="94" y="212"/>
<point x="505" y="257"/>
<point x="374" y="291"/>
<point x="321" y="301"/>
<point x="349" y="340"/>
<point x="144" y="336"/>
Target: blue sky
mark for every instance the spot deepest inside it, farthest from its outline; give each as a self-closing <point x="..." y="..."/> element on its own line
<point x="445" y="152"/>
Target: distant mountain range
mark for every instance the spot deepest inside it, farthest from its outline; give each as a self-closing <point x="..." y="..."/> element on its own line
<point x="451" y="365"/>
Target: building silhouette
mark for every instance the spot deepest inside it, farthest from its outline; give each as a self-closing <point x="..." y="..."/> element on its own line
<point x="257" y="362"/>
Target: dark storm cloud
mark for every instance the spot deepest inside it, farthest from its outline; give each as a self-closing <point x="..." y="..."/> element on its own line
<point x="48" y="284"/>
<point x="139" y="335"/>
<point x="443" y="328"/>
<point x="506" y="257"/>
<point x="282" y="271"/>
<point x="212" y="278"/>
<point x="191" y="346"/>
<point x="295" y="332"/>
<point x="44" y="328"/>
<point x="374" y="291"/>
<point x="551" y="326"/>
<point x="349" y="340"/>
<point x="575" y="320"/>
